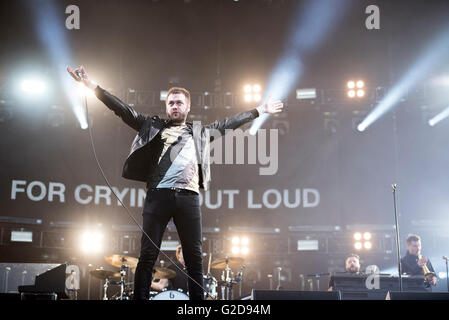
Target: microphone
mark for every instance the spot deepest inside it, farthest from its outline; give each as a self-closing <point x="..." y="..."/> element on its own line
<point x="80" y="74"/>
<point x="445" y="258"/>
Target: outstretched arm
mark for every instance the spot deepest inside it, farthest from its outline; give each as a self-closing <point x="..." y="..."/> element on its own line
<point x="269" y="107"/>
<point x="121" y="109"/>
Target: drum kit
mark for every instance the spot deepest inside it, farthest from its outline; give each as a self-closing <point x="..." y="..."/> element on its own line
<point x="228" y="278"/>
<point x="128" y="264"/>
<point x="120" y="279"/>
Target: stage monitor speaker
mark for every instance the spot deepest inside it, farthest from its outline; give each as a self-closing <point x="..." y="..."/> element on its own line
<point x="363" y="295"/>
<point x="396" y="295"/>
<point x="294" y="295"/>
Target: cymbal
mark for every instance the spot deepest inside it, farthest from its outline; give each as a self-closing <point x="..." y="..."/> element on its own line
<point x="117" y="260"/>
<point x="232" y="262"/>
<point x="163" y="273"/>
<point x="105" y="274"/>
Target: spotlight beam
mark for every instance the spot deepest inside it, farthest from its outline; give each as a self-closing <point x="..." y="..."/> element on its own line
<point x="439" y="117"/>
<point x="50" y="29"/>
<point x="438" y="50"/>
<point x="311" y="25"/>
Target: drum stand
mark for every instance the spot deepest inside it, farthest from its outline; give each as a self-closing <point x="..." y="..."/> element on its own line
<point x="226" y="289"/>
<point x="105" y="289"/>
<point x="123" y="276"/>
<point x="124" y="272"/>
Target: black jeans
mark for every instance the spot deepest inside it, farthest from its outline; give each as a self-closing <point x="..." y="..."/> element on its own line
<point x="160" y="206"/>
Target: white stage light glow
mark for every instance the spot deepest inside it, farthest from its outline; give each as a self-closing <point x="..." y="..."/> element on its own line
<point x="439" y="117"/>
<point x="429" y="60"/>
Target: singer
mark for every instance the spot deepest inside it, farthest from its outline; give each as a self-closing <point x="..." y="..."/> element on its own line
<point x="172" y="156"/>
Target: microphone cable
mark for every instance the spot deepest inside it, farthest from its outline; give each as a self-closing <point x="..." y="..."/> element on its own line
<point x="121" y="202"/>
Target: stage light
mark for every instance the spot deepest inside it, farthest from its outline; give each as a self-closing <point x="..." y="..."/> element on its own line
<point x="357" y="236"/>
<point x="21" y="236"/>
<point x="304" y="94"/>
<point x="355" y="89"/>
<point x="240" y="245"/>
<point x="308" y="245"/>
<point x="167" y="245"/>
<point x="305" y="37"/>
<point x="163" y="95"/>
<point x="439" y="117"/>
<point x="92" y="242"/>
<point x="364" y="237"/>
<point x="33" y="86"/>
<point x="48" y="23"/>
<point x="252" y="93"/>
<point x="80" y="115"/>
<point x="235" y="250"/>
<point x="367" y="236"/>
<point x="361" y="127"/>
<point x="437" y="51"/>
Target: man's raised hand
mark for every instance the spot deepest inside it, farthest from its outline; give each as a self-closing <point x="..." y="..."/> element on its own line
<point x="270" y="106"/>
<point x="80" y="75"/>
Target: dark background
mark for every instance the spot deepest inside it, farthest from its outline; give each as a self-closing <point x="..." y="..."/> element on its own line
<point x="150" y="45"/>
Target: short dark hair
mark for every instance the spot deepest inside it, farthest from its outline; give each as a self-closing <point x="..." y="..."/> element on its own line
<point x="352" y="255"/>
<point x="413" y="237"/>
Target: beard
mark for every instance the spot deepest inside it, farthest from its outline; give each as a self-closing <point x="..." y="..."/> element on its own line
<point x="353" y="270"/>
<point x="177" y="117"/>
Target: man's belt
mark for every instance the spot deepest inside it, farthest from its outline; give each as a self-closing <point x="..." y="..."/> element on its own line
<point x="178" y="190"/>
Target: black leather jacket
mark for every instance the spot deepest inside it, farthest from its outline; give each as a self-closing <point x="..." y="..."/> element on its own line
<point x="410" y="265"/>
<point x="145" y="152"/>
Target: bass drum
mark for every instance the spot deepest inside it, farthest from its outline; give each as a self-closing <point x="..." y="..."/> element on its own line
<point x="170" y="295"/>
